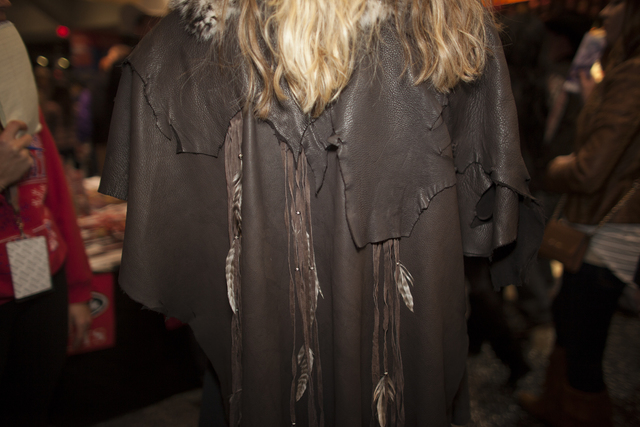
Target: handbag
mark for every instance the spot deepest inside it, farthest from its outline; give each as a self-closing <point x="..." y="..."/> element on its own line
<point x="566" y="244"/>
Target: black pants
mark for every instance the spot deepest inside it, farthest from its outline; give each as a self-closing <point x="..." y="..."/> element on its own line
<point x="488" y="320"/>
<point x="582" y="313"/>
<point x="33" y="340"/>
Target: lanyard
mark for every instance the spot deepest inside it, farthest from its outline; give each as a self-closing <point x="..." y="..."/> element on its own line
<point x="12" y="192"/>
<point x="13" y="195"/>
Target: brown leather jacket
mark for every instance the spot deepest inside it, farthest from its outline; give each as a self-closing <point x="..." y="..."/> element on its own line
<point x="606" y="160"/>
<point x="221" y="204"/>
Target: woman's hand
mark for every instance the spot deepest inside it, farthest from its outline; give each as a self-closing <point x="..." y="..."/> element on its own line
<point x="15" y="160"/>
<point x="79" y="322"/>
<point x="560" y="163"/>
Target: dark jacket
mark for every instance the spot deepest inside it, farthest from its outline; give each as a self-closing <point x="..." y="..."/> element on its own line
<point x="285" y="243"/>
<point x="606" y="159"/>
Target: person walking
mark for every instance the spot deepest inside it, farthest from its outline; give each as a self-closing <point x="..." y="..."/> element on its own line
<point x="601" y="183"/>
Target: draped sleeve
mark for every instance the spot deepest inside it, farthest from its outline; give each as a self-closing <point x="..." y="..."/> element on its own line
<point x="164" y="158"/>
<point x="499" y="217"/>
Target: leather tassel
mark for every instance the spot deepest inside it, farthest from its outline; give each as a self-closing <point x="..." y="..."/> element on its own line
<point x="398" y="369"/>
<point x="388" y="400"/>
<point x="375" y="362"/>
<point x="304" y="287"/>
<point x="233" y="170"/>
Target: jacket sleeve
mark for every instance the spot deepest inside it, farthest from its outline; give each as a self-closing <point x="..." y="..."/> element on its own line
<point x="499" y="217"/>
<point x="59" y="202"/>
<point x="606" y="136"/>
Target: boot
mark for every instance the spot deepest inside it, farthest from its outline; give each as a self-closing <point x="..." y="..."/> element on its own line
<point x="583" y="409"/>
<point x="548" y="405"/>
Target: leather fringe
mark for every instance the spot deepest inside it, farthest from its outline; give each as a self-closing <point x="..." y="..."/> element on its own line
<point x="233" y="170"/>
<point x="304" y="289"/>
<point x="388" y="385"/>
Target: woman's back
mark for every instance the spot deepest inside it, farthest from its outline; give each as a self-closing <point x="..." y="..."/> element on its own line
<point x="317" y="257"/>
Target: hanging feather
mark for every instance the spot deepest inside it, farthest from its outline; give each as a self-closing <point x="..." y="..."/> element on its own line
<point x="237" y="198"/>
<point x="383" y="394"/>
<point x="404" y="280"/>
<point x="318" y="289"/>
<point x="234" y="191"/>
<point x="312" y="263"/>
<point x="230" y="275"/>
<point x="306" y="369"/>
<point x="304" y="288"/>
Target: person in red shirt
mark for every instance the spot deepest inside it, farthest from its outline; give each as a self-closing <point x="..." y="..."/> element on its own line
<point x="33" y="332"/>
<point x="35" y="207"/>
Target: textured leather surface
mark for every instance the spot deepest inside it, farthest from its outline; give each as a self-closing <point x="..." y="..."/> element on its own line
<point x="388" y="160"/>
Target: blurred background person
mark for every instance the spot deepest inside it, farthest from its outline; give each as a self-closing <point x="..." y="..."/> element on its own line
<point x="600" y="180"/>
<point x="35" y="211"/>
<point x="104" y="93"/>
<point x="524" y="38"/>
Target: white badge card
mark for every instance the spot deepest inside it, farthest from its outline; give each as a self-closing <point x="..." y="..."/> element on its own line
<point x="29" y="264"/>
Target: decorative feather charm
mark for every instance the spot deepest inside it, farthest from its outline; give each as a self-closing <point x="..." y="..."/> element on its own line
<point x="236" y="228"/>
<point x="383" y="395"/>
<point x="404" y="280"/>
<point x="230" y="276"/>
<point x="318" y="289"/>
<point x="306" y="369"/>
<point x="312" y="263"/>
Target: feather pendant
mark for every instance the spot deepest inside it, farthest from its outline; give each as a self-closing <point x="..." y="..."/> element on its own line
<point x="404" y="280"/>
<point x="383" y="394"/>
<point x="230" y="276"/>
<point x="318" y="289"/>
<point x="237" y="199"/>
<point x="312" y="262"/>
<point x="305" y="372"/>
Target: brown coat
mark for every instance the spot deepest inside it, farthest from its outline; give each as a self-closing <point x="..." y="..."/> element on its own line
<point x="391" y="178"/>
<point x="606" y="160"/>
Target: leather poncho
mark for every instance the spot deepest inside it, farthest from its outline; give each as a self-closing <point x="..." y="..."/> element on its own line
<point x="319" y="262"/>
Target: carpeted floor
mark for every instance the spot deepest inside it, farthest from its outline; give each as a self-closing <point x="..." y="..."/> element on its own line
<point x="494" y="405"/>
<point x="181" y="410"/>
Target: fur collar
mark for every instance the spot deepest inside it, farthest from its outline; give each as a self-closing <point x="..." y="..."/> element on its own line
<point x="202" y="17"/>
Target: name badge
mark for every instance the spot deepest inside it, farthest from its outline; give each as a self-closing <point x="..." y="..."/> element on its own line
<point x="29" y="264"/>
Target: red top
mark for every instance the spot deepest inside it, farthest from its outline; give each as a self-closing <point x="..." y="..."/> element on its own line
<point x="46" y="210"/>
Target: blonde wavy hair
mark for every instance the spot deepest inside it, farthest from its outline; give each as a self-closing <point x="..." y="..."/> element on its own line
<point x="314" y="45"/>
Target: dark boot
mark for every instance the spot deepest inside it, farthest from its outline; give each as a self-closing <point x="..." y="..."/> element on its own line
<point x="548" y="405"/>
<point x="583" y="409"/>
